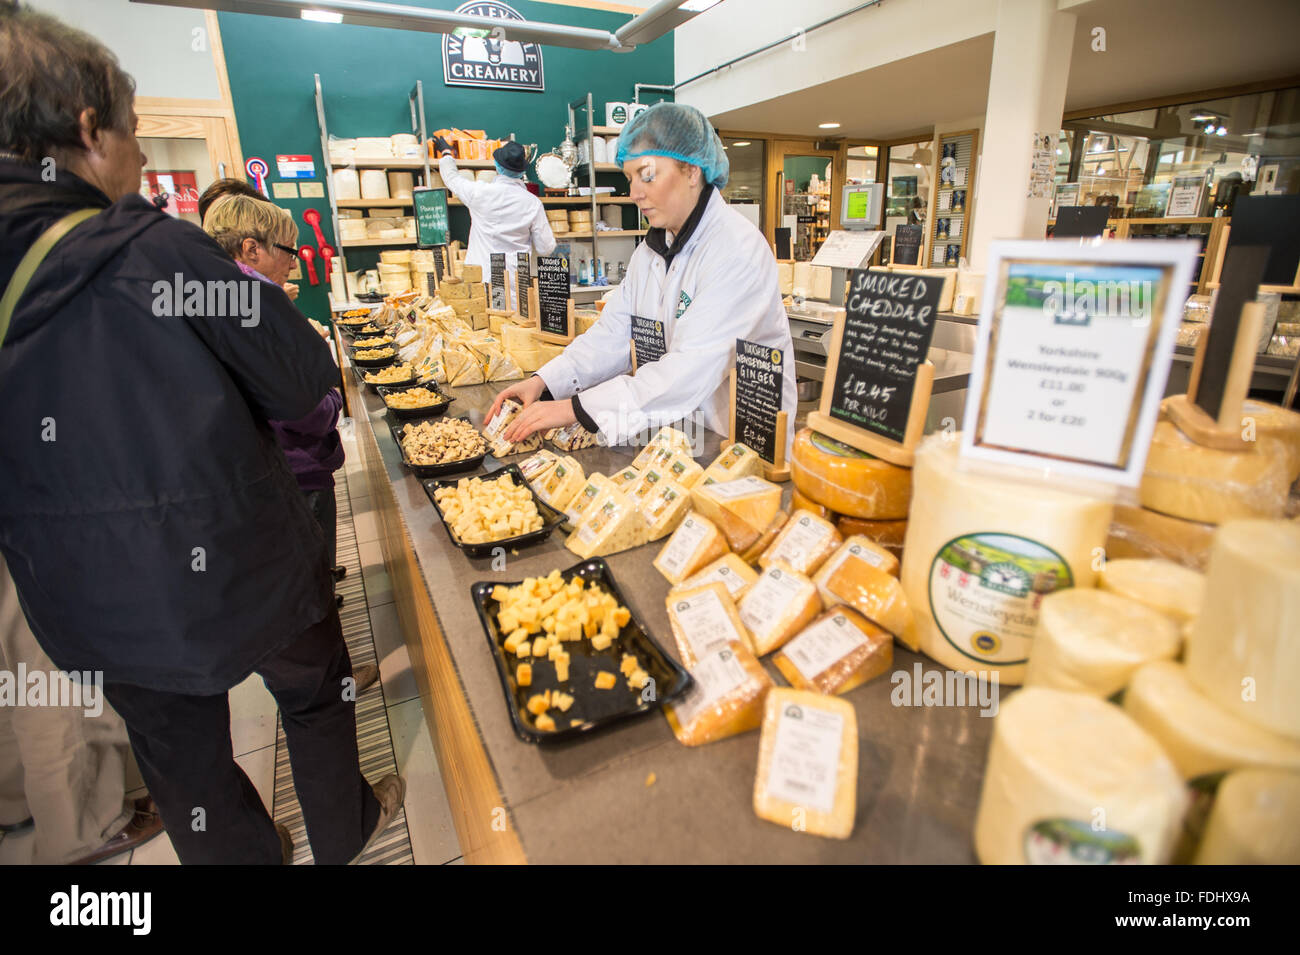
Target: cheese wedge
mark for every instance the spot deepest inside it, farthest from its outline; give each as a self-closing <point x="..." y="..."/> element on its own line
<point x="847" y="480"/>
<point x="856" y="547"/>
<point x="742" y="509"/>
<point x="874" y="594"/>
<point x="650" y="479"/>
<point x="728" y="570"/>
<point x="727" y="698"/>
<point x="751" y="553"/>
<point x="803" y="544"/>
<point x="1159" y="584"/>
<point x="613" y="525"/>
<point x="562" y="484"/>
<point x="1253" y="821"/>
<point x="586" y="498"/>
<point x="683" y="469"/>
<point x="888" y="534"/>
<point x="664" y="508"/>
<point x="777" y="607"/>
<point x="695" y="543"/>
<point x="704" y="620"/>
<point x="837" y="652"/>
<point x="736" y="462"/>
<point x="536" y="467"/>
<point x="1139" y="532"/>
<point x="808" y="763"/>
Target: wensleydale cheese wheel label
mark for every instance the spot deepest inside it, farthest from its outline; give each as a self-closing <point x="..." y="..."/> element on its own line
<point x="806" y="757"/>
<point x="1070" y="842"/>
<point x="985" y="591"/>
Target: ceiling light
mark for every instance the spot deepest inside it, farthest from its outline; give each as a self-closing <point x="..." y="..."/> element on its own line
<point x="828" y="125"/>
<point x="743" y="142"/>
<point x="919" y="166"/>
<point x="322" y="16"/>
<point x="1202" y="117"/>
<point x="1223" y="131"/>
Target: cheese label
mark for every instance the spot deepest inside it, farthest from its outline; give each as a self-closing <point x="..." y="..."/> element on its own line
<point x="537" y="464"/>
<point x="654" y="507"/>
<point x="768" y="601"/>
<point x="734" y="455"/>
<point x="686" y="541"/>
<point x="647" y="484"/>
<point x="721" y="574"/>
<point x="704" y="623"/>
<point x="715" y="675"/>
<point x="591" y="529"/>
<point x="816" y="649"/>
<point x="582" y="501"/>
<point x="805" y="537"/>
<point x="853" y="550"/>
<point x="1070" y="842"/>
<point x="741" y="487"/>
<point x="806" y="757"/>
<point x="985" y="591"/>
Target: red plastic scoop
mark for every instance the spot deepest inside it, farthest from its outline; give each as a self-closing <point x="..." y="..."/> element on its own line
<point x="312" y="218"/>
<point x="308" y="256"/>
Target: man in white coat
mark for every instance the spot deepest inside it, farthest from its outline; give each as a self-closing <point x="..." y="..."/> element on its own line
<point x="704" y="277"/>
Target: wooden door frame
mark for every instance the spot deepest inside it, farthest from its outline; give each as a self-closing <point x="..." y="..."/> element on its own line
<point x="776" y="151"/>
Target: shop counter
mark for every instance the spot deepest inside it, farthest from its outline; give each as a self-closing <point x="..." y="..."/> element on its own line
<point x="632" y="793"/>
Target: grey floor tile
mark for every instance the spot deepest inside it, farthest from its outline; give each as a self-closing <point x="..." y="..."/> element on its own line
<point x="379" y="586"/>
<point x="428" y="815"/>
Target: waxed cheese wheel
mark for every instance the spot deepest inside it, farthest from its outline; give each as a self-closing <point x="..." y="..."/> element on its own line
<point x="1253" y="821"/>
<point x="1184" y="479"/>
<point x="1160" y="584"/>
<point x="1198" y="735"/>
<point x="727" y="698"/>
<point x="981" y="552"/>
<point x="847" y="480"/>
<point x="837" y="652"/>
<point x="800" y="503"/>
<point x="1061" y="764"/>
<point x="1243" y="650"/>
<point x="1091" y="641"/>
<point x="1140" y="532"/>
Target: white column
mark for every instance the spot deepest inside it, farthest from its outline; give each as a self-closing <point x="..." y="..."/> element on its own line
<point x="1031" y="65"/>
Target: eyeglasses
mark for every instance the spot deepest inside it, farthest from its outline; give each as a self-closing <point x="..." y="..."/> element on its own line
<point x="285" y="248"/>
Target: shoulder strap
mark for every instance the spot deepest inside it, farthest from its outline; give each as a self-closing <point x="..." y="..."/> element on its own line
<point x="32" y="260"/>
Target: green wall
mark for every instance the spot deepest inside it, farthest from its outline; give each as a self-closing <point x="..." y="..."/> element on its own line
<point x="802" y="168"/>
<point x="366" y="74"/>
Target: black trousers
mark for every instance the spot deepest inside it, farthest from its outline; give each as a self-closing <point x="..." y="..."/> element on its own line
<point x="211" y="810"/>
<point x="325" y="509"/>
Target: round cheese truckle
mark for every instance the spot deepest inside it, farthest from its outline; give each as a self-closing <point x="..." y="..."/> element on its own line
<point x="1071" y="779"/>
<point x="1139" y="532"/>
<point x="1274" y="421"/>
<point x="1243" y="651"/>
<point x="1253" y="821"/>
<point x="849" y="481"/>
<point x="1159" y="584"/>
<point x="1184" y="479"/>
<point x="982" y="551"/>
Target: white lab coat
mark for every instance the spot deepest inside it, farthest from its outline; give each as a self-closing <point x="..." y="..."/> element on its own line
<point x="721" y="286"/>
<point x="504" y="217"/>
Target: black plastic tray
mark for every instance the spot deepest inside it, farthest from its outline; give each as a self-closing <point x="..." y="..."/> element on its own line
<point x="375" y="362"/>
<point x="361" y="378"/>
<point x="596" y="708"/>
<point x="551" y="518"/>
<point x="435" y="470"/>
<point x="407" y="414"/>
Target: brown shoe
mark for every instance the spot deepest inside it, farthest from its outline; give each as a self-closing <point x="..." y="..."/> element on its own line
<point x="365" y="676"/>
<point x="391" y="793"/>
<point x="286" y="845"/>
<point x="144" y="825"/>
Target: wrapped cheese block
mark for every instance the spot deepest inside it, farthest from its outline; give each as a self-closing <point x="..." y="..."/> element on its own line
<point x="495" y="429"/>
<point x="703" y="620"/>
<point x="564" y="481"/>
<point x="728" y="570"/>
<point x="873" y="593"/>
<point x="742" y="509"/>
<point x="837" y="652"/>
<point x="803" y="543"/>
<point x="1091" y="641"/>
<point x="785" y="277"/>
<point x="1243" y="651"/>
<point x="853" y="548"/>
<point x="573" y="437"/>
<point x="1253" y="821"/>
<point x="1198" y="735"/>
<point x="807" y="778"/>
<point x="751" y="553"/>
<point x="1160" y="584"/>
<point x="536" y="468"/>
<point x="463" y="367"/>
<point x="847" y="480"/>
<point x="664" y="508"/>
<point x="684" y="469"/>
<point x="625" y="478"/>
<point x="1139" y="532"/>
<point x="347" y="184"/>
<point x="777" y="607"/>
<point x="727" y="698"/>
<point x="590" y="494"/>
<point x="736" y="462"/>
<point x="650" y="479"/>
<point x="610" y="526"/>
<point x="982" y="551"/>
<point x="695" y="543"/>
<point x="1278" y="423"/>
<point x="1060" y="765"/>
<point x="1184" y="479"/>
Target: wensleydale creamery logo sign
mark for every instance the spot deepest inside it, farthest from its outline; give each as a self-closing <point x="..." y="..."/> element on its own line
<point x="481" y="57"/>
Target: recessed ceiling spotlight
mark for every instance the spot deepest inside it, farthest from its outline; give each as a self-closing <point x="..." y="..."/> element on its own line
<point x="743" y="142"/>
<point x="828" y="125"/>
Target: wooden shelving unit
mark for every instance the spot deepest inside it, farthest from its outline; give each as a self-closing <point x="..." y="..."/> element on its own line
<point x="967" y="147"/>
<point x="375" y="243"/>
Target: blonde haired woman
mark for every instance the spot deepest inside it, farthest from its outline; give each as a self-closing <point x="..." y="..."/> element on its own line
<point x="257" y="234"/>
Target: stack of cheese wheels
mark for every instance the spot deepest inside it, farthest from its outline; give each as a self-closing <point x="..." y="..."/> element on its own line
<point x="1072" y="779"/>
<point x="981" y="552"/>
<point x="580" y="220"/>
<point x="1243" y="650"/>
<point x="860" y="493"/>
<point x="1253" y="821"/>
<point x="559" y="220"/>
<point x="1281" y="424"/>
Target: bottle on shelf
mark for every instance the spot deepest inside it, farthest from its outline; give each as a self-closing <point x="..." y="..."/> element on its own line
<point x="582" y="272"/>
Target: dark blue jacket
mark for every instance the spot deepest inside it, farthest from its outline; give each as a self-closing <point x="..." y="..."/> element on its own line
<point x="159" y="536"/>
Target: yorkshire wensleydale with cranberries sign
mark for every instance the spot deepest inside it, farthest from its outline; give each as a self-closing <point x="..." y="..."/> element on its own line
<point x="479" y="57"/>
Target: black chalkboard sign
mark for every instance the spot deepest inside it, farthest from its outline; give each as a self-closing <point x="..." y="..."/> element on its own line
<point x="523" y="281"/>
<point x="647" y="340"/>
<point x="498" y="260"/>
<point x="1269" y="221"/>
<point x="553" y="294"/>
<point x="1243" y="267"/>
<point x="440" y="261"/>
<point x="782" y="239"/>
<point x="888" y="323"/>
<point x="760" y="377"/>
<point x="907" y="245"/>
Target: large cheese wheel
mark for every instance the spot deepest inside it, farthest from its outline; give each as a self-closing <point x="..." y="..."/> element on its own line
<point x="1184" y="479"/>
<point x="1274" y="421"/>
<point x="847" y="480"/>
<point x="1253" y="821"/>
<point x="1243" y="651"/>
<point x="1160" y="584"/>
<point x="1139" y="532"/>
<point x="890" y="534"/>
<point x="981" y="552"/>
<point x="1090" y="641"/>
<point x="800" y="503"/>
<point x="1200" y="736"/>
<point x="1072" y="779"/>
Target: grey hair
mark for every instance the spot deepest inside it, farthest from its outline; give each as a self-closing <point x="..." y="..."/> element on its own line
<point x="234" y="218"/>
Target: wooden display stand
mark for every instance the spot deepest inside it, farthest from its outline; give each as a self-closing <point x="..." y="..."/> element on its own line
<point x="1194" y="421"/>
<point x="534" y="308"/>
<point x="551" y="337"/>
<point x="779" y="470"/>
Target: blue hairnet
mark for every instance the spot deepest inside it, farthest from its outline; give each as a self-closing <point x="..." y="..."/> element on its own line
<point x="677" y="131"/>
<point x="508" y="173"/>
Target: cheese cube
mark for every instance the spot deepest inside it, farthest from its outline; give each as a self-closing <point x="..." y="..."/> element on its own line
<point x="1253" y="820"/>
<point x="803" y="543"/>
<point x="703" y="620"/>
<point x="562" y="701"/>
<point x="663" y="509"/>
<point x="741" y="509"/>
<point x="562" y="484"/>
<point x="638" y="678"/>
<point x="736" y="462"/>
<point x="876" y="595"/>
<point x="554" y="650"/>
<point x="537" y="704"/>
<point x="562" y="669"/>
<point x="1170" y="588"/>
<point x="512" y="641"/>
<point x="855" y="547"/>
<point x="614" y="526"/>
<point x="539" y="646"/>
<point x="837" y="652"/>
<point x="545" y="723"/>
<point x="777" y="607"/>
<point x="605" y="680"/>
<point x="695" y="543"/>
<point x="628" y="664"/>
<point x="499" y="592"/>
<point x="728" y="570"/>
<point x="601" y="641"/>
<point x="808" y="763"/>
<point x="727" y="698"/>
<point x="524" y="674"/>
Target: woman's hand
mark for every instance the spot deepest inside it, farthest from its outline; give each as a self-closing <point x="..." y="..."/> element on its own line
<point x="525" y="392"/>
<point x="291" y="290"/>
<point x="540" y="416"/>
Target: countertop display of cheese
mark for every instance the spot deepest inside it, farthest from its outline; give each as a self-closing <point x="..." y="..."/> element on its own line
<point x="727" y="698"/>
<point x="1184" y="479"/>
<point x="610" y="525"/>
<point x="1200" y="736"/>
<point x="704" y="620"/>
<point x="779" y="605"/>
<point x="873" y="593"/>
<point x="837" y="652"/>
<point x="695" y="543"/>
<point x="742" y="509"/>
<point x="847" y="480"/>
<point x="807" y="778"/>
<point x="1253" y="821"/>
<point x="1160" y="584"/>
<point x="664" y="508"/>
<point x="1139" y="532"/>
<point x="728" y="570"/>
<point x="800" y="503"/>
<point x="803" y="543"/>
<point x="1243" y="651"/>
<point x="1091" y="641"/>
<point x="1055" y="760"/>
<point x="735" y="462"/>
<point x="561" y="484"/>
<point x="478" y="510"/>
<point x="980" y="552"/>
<point x="1274" y="421"/>
<point x="587" y="497"/>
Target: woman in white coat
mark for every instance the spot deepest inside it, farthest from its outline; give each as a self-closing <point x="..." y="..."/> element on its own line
<point x="704" y="277"/>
